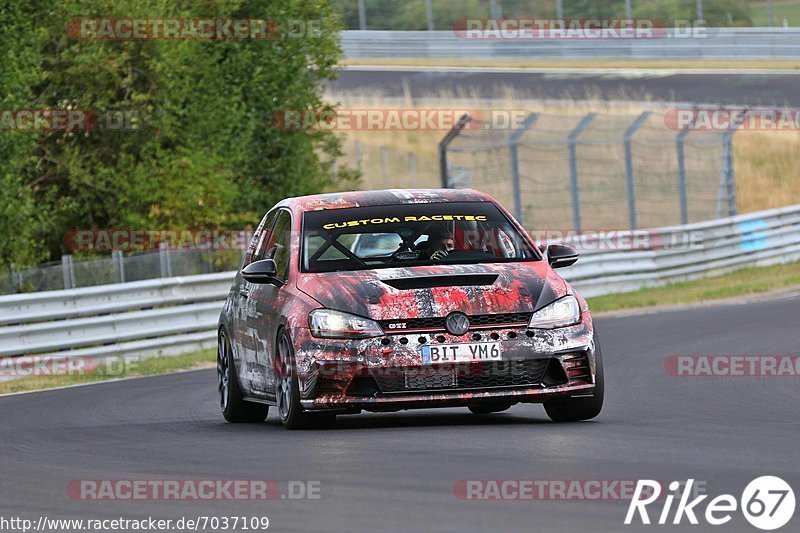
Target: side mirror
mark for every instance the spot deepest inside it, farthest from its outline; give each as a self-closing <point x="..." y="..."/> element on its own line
<point x="561" y="255"/>
<point x="264" y="271"/>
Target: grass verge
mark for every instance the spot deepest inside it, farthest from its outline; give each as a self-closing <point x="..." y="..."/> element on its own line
<point x="739" y="283"/>
<point x="144" y="367"/>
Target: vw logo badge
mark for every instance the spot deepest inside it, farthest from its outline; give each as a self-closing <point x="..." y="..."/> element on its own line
<point x="456" y="323"/>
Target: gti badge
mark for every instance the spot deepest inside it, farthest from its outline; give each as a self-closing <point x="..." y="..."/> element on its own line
<point x="456" y="323"/>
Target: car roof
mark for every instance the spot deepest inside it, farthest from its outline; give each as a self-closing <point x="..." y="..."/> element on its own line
<point x="320" y="202"/>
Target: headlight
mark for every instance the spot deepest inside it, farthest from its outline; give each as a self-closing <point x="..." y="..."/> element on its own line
<point x="563" y="312"/>
<point x="338" y="325"/>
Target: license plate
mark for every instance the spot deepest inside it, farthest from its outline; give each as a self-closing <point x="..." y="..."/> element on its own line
<point x="461" y="353"/>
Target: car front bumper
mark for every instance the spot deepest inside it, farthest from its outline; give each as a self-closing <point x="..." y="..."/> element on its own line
<point x="386" y="374"/>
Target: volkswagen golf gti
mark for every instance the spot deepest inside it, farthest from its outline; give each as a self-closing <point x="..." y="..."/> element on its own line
<point x="402" y="299"/>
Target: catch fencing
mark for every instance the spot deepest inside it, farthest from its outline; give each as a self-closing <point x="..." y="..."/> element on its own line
<point x="174" y="315"/>
<point x="117" y="267"/>
<point x="595" y="171"/>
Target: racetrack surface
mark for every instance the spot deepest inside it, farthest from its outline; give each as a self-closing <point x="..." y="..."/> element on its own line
<point x="396" y="472"/>
<point x="735" y="88"/>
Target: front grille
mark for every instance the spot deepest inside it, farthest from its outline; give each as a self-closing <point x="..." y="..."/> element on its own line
<point x="464" y="376"/>
<point x="437" y="323"/>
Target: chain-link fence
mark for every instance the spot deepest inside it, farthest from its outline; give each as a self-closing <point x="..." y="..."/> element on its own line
<point x="72" y="272"/>
<point x="596" y="171"/>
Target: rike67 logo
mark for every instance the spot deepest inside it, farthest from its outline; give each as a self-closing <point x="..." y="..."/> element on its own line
<point x="767" y="503"/>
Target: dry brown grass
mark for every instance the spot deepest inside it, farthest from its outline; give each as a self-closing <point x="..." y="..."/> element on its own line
<point x="767" y="164"/>
<point x="767" y="169"/>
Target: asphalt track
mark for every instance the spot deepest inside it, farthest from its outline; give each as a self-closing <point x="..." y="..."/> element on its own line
<point x="767" y="88"/>
<point x="396" y="472"/>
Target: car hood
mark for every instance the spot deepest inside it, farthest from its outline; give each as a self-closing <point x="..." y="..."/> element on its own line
<point x="435" y="291"/>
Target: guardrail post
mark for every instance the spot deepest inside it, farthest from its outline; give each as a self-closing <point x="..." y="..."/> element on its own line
<point x="445" y="142"/>
<point x="119" y="264"/>
<point x="164" y="260"/>
<point x="68" y="272"/>
<point x="385" y="167"/>
<point x="412" y="169"/>
<point x="679" y="142"/>
<point x="572" y="141"/>
<point x="627" y="140"/>
<point x="514" y="161"/>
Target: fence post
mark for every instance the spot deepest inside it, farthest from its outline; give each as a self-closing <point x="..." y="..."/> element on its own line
<point x="68" y="272"/>
<point x="119" y="264"/>
<point x="727" y="165"/>
<point x="572" y="141"/>
<point x="514" y="161"/>
<point x="445" y="142"/>
<point x="412" y="169"/>
<point x="679" y="142"/>
<point x="627" y="140"/>
<point x="384" y="167"/>
<point x="164" y="260"/>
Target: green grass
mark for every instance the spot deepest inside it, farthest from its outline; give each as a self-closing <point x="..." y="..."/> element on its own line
<point x="143" y="367"/>
<point x="788" y="9"/>
<point x="738" y="283"/>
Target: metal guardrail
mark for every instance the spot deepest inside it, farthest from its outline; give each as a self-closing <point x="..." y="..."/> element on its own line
<point x="715" y="43"/>
<point x="753" y="239"/>
<point x="170" y="316"/>
<point x="153" y="317"/>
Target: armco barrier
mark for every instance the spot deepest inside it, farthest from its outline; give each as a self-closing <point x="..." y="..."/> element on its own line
<point x="711" y="43"/>
<point x="174" y="315"/>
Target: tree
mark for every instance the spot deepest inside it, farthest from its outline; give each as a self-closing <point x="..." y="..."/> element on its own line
<point x="205" y="152"/>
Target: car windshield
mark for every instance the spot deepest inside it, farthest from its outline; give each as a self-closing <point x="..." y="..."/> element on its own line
<point x="410" y="235"/>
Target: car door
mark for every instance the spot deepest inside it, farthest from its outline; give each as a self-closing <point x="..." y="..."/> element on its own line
<point x="244" y="337"/>
<point x="266" y="301"/>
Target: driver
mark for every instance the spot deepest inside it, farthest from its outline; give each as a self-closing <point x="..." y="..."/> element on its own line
<point x="440" y="243"/>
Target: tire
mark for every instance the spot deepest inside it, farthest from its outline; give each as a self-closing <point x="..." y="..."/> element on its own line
<point x="234" y="408"/>
<point x="287" y="391"/>
<point x="487" y="409"/>
<point x="574" y="409"/>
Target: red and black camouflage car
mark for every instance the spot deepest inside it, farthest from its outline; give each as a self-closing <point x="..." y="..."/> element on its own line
<point x="402" y="299"/>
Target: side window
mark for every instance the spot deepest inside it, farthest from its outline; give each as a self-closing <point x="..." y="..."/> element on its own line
<point x="279" y="244"/>
<point x="263" y="237"/>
